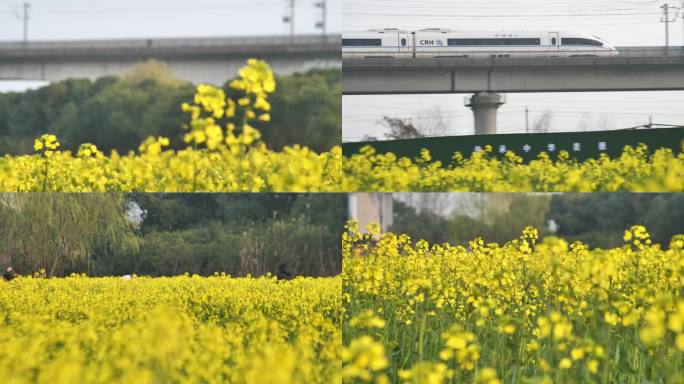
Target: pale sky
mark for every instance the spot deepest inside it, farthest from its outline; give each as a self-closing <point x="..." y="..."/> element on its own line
<point x="102" y="19"/>
<point x="106" y="19"/>
<point x="620" y="22"/>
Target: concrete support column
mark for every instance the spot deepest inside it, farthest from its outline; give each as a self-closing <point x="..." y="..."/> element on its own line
<point x="484" y="106"/>
<point x="368" y="208"/>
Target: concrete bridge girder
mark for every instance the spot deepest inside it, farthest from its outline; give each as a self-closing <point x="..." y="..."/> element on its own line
<point x="208" y="60"/>
<point x="434" y="80"/>
<point x="635" y="69"/>
<point x="197" y="70"/>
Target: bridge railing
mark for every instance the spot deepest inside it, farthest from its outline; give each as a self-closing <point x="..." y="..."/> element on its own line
<point x="650" y="51"/>
<point x="33" y="48"/>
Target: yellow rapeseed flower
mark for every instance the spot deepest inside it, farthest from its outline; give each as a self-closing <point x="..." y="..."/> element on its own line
<point x="565" y="363"/>
<point x="544" y="308"/>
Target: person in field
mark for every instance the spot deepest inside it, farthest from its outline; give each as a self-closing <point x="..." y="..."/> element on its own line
<point x="283" y="273"/>
<point x="9" y="274"/>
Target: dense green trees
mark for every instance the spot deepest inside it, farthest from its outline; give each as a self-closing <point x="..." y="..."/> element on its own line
<point x="239" y="233"/>
<point x="601" y="218"/>
<point x="170" y="234"/>
<point x="597" y="219"/>
<point x="502" y="217"/>
<point x="497" y="217"/>
<point x="307" y="109"/>
<point x="423" y="224"/>
<point x="119" y="113"/>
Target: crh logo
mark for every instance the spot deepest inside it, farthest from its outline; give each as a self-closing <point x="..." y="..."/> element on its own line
<point x="427" y="42"/>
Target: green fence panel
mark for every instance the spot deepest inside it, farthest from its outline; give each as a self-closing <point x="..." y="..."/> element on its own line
<point x="580" y="145"/>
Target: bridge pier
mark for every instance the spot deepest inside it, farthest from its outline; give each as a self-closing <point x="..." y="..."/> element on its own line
<point x="367" y="208"/>
<point x="484" y="106"/>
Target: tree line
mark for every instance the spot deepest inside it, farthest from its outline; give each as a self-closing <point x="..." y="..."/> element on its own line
<point x="118" y="113"/>
<point x="596" y="219"/>
<point x="171" y="234"/>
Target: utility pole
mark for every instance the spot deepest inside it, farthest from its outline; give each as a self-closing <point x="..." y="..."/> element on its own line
<point x="290" y="18"/>
<point x="666" y="19"/>
<point x="27" y="7"/>
<point x="321" y="24"/>
<point x="23" y="15"/>
<point x="527" y="119"/>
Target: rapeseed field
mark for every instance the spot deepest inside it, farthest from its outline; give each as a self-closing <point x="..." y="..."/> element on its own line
<point x="185" y="329"/>
<point x="526" y="311"/>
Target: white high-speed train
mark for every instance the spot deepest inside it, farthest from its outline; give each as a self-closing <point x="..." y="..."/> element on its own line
<point x="445" y="43"/>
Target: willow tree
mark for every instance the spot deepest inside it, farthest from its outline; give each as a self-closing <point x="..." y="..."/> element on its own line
<point x="52" y="231"/>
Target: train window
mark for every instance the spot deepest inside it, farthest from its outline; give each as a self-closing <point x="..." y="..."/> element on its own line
<point x="506" y="41"/>
<point x="403" y="42"/>
<point x="361" y="42"/>
<point x="553" y="41"/>
<point x="580" y="41"/>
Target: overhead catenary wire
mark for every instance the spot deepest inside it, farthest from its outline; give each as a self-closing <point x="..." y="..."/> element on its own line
<point x="498" y="4"/>
<point x="509" y="130"/>
<point x="160" y="8"/>
<point x="507" y="16"/>
<point x="51" y="14"/>
<point x="460" y="14"/>
<point x="486" y="7"/>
